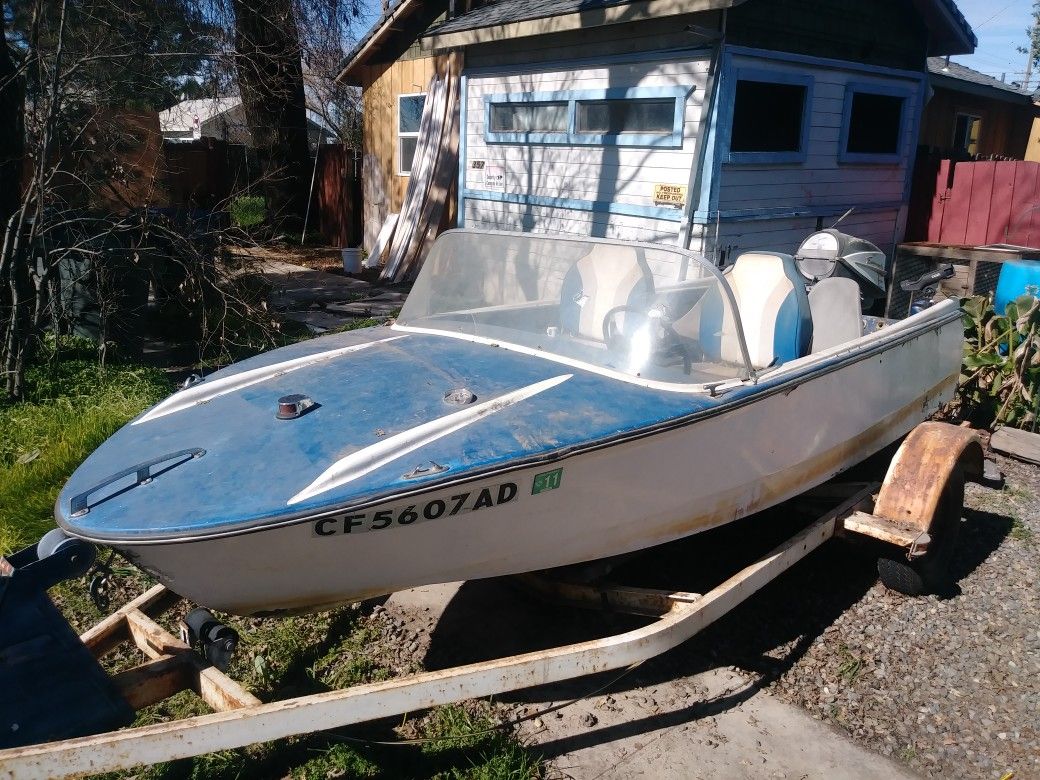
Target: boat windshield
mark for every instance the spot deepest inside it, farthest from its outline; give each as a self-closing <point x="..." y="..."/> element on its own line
<point x="653" y="313"/>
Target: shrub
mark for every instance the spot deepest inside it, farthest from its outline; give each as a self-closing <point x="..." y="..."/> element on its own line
<point x="1000" y="374"/>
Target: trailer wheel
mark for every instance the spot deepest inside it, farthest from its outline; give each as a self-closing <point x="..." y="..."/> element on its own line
<point x="931" y="572"/>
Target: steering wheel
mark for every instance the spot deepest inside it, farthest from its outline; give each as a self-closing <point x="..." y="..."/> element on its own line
<point x="612" y="335"/>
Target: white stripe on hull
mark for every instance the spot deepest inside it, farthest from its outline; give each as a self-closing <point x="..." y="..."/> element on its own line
<point x="613" y="500"/>
<point x="359" y="463"/>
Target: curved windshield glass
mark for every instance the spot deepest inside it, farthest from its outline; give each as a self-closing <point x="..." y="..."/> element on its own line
<point x="650" y="312"/>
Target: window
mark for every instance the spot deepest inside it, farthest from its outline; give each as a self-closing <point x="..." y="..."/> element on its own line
<point x="529" y="117"/>
<point x="872" y="124"/>
<point x="966" y="133"/>
<point x="619" y="116"/>
<point x="770" y="117"/>
<point x="647" y="115"/>
<point x="409" y="115"/>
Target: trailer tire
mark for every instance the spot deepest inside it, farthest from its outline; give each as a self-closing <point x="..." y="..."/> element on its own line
<point x="931" y="572"/>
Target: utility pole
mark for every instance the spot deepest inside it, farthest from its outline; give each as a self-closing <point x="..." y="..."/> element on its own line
<point x="1029" y="58"/>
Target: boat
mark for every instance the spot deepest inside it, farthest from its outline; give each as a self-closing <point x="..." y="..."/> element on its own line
<point x="540" y="401"/>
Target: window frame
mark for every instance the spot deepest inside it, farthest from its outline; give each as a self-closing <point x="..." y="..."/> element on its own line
<point x="806" y="80"/>
<point x="872" y="158"/>
<point x="399" y="169"/>
<point x="954" y="145"/>
<point x="669" y="140"/>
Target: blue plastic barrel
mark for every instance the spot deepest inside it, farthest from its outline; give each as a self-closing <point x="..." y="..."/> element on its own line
<point x="1017" y="277"/>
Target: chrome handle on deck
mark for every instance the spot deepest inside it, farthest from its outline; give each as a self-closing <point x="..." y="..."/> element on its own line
<point x="78" y="504"/>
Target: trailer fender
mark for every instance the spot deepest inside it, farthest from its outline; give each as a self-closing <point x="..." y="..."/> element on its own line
<point x="934" y="457"/>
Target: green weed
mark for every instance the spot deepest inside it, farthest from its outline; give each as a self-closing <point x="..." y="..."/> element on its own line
<point x="1020" y="530"/>
<point x="71" y="406"/>
<point x="480" y="751"/>
<point x="248" y="211"/>
<point x="850" y="666"/>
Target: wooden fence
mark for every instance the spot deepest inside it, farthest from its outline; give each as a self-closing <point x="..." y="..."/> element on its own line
<point x="337" y="195"/>
<point x="975" y="203"/>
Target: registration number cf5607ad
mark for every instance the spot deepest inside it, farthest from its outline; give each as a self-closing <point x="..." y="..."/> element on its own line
<point x="461" y="502"/>
<point x="407" y="514"/>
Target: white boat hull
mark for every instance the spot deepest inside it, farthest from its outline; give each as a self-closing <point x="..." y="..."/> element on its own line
<point x="627" y="496"/>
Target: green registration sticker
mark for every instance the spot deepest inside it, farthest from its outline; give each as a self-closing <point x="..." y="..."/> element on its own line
<point x="550" y="480"/>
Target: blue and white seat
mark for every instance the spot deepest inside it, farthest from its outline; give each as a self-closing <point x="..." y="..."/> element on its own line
<point x="773" y="309"/>
<point x="605" y="279"/>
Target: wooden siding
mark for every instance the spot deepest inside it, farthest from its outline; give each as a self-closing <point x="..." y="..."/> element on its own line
<point x="797" y="194"/>
<point x="878" y="32"/>
<point x="384" y="189"/>
<point x="785" y="235"/>
<point x="596" y="42"/>
<point x="593" y="174"/>
<point x="1005" y="127"/>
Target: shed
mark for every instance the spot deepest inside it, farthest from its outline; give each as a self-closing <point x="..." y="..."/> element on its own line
<point x="972" y="114"/>
<point x="719" y="125"/>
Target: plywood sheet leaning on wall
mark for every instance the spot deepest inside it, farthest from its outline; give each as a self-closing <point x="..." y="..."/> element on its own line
<point x="386" y="232"/>
<point x="430" y="129"/>
<point x="445" y="170"/>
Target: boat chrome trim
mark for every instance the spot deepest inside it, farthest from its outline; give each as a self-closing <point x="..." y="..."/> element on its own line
<point x="203" y="392"/>
<point x="359" y="463"/>
<point x="776" y="381"/>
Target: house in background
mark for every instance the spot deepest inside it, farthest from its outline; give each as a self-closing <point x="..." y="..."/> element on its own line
<point x="718" y="125"/>
<point x="222" y="118"/>
<point x="971" y="114"/>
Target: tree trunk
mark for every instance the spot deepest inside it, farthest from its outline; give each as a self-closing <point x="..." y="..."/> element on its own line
<point x="12" y="143"/>
<point x="270" y="80"/>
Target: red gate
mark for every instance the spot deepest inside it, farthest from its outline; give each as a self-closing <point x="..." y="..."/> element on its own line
<point x="976" y="203"/>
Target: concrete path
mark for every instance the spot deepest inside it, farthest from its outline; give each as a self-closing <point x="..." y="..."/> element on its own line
<point x="680" y="718"/>
<point x="320" y="300"/>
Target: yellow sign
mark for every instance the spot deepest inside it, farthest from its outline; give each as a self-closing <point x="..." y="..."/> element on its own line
<point x="669" y="194"/>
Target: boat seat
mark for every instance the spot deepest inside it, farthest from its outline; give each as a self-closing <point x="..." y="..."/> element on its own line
<point x="608" y="277"/>
<point x="836" y="312"/>
<point x="774" y="311"/>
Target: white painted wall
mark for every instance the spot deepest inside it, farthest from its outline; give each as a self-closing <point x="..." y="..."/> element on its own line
<point x="617" y="174"/>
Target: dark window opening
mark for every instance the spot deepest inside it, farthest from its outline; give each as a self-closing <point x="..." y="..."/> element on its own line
<point x="647" y="115"/>
<point x="966" y="134"/>
<point x="767" y="117"/>
<point x="875" y="124"/>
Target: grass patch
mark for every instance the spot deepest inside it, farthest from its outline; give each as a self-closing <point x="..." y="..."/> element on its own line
<point x="248" y="211"/>
<point x="336" y="761"/>
<point x="71" y="406"/>
<point x="475" y="749"/>
<point x="1020" y="531"/>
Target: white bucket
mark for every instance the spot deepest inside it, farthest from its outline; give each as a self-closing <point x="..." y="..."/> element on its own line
<point x="351" y="260"/>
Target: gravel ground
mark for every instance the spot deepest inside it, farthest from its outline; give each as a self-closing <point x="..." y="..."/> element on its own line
<point x="949" y="686"/>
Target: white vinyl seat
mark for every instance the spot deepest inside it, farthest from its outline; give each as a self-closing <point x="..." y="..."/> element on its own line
<point x="616" y="277"/>
<point x="836" y="312"/>
<point x="773" y="308"/>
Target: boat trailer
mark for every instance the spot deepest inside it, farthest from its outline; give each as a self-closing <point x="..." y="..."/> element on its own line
<point x="916" y="509"/>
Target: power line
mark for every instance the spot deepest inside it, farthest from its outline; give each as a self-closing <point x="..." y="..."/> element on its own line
<point x="994" y="16"/>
